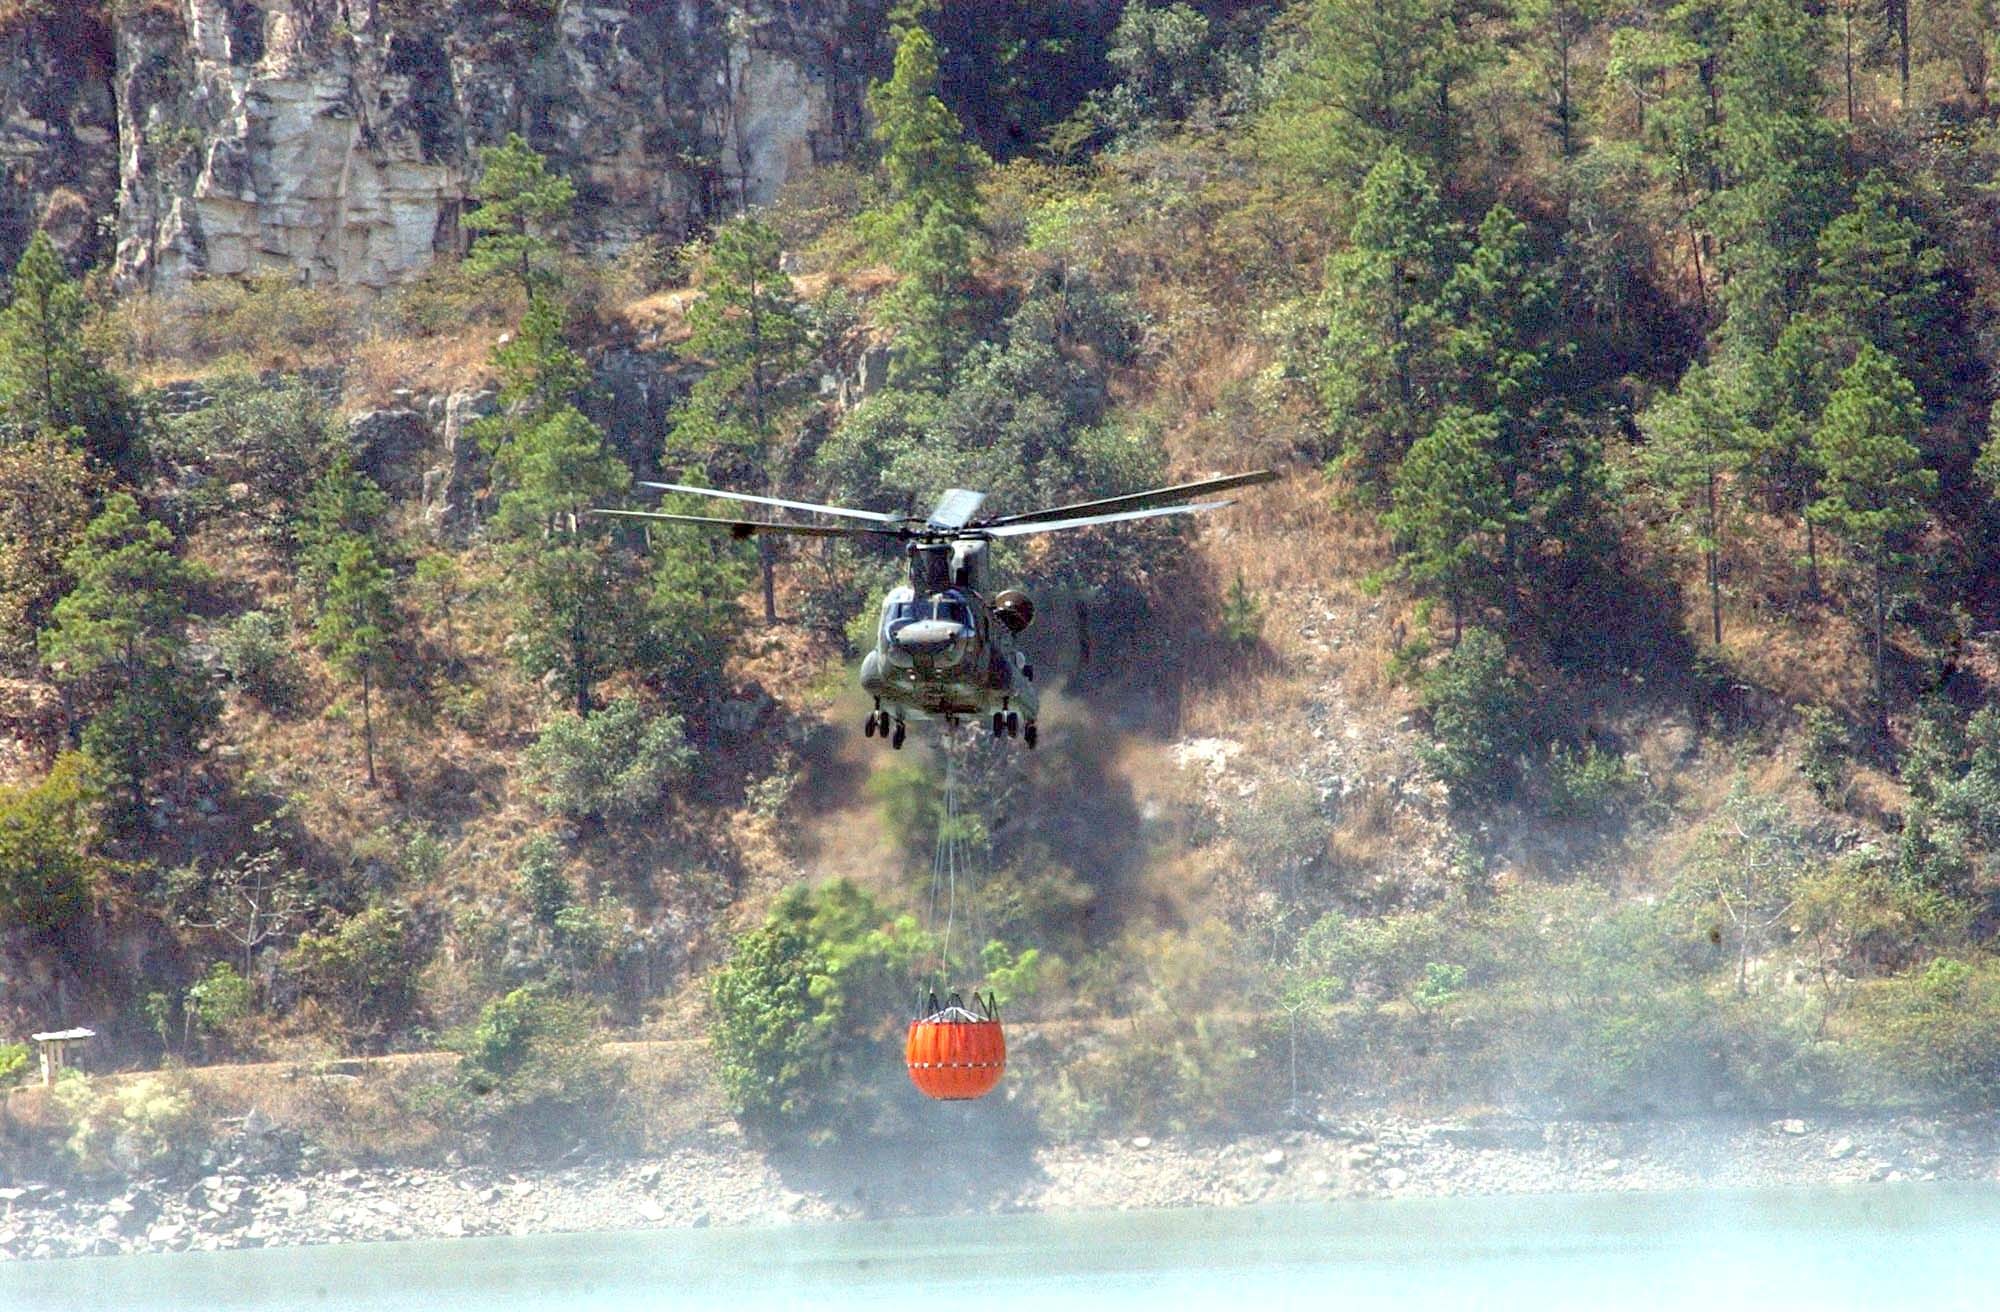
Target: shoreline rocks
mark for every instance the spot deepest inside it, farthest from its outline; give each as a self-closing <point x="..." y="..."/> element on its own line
<point x="712" y="1179"/>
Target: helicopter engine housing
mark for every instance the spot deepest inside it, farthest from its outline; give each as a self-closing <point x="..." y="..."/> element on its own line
<point x="1014" y="609"/>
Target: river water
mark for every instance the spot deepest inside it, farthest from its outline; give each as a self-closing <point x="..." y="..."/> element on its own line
<point x="1879" y="1246"/>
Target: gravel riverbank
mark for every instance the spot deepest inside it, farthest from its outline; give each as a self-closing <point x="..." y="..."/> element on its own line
<point x="715" y="1179"/>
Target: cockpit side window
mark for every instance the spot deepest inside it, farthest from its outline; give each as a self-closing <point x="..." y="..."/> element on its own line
<point x="901" y="613"/>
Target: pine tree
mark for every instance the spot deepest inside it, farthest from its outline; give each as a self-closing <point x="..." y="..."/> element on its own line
<point x="1552" y="33"/>
<point x="748" y="329"/>
<point x="1383" y="351"/>
<point x="1780" y="161"/>
<point x="1874" y="486"/>
<point x="116" y="643"/>
<point x="355" y="621"/>
<point x="522" y="207"/>
<point x="1881" y="280"/>
<point x="931" y="224"/>
<point x="1377" y="76"/>
<point x="1500" y="314"/>
<point x="50" y="383"/>
<point x="1783" y="396"/>
<point x="1693" y="448"/>
<point x="552" y="466"/>
<point x="1450" y="511"/>
<point x="344" y="503"/>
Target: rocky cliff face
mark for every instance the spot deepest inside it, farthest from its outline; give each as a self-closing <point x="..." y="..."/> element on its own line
<point x="334" y="140"/>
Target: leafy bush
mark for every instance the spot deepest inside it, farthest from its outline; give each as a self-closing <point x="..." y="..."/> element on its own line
<point x="615" y="765"/>
<point x="219" y="1001"/>
<point x="141" y="1126"/>
<point x="1476" y="707"/>
<point x="15" y="1061"/>
<point x="365" y="968"/>
<point x="530" y="1069"/>
<point x="799" y="1028"/>
<point x="46" y="832"/>
<point x="1592" y="784"/>
<point x="1933" y="1035"/>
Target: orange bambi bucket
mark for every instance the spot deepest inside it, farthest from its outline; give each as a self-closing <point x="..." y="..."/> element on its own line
<point x="955" y="1055"/>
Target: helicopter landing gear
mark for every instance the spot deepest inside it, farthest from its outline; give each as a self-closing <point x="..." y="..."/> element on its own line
<point x="876" y="724"/>
<point x="1028" y="735"/>
<point x="868" y="726"/>
<point x="896" y="737"/>
<point x="1013" y="724"/>
<point x="999" y="725"/>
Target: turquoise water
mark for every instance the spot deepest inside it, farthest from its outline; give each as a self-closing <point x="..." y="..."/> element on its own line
<point x="1882" y="1246"/>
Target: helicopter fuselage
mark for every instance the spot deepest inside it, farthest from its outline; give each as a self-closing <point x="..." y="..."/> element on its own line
<point x="943" y="649"/>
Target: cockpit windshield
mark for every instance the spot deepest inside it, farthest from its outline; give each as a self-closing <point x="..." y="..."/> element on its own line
<point x="948" y="606"/>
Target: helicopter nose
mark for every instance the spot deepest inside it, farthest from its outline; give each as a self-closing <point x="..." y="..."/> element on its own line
<point x="929" y="639"/>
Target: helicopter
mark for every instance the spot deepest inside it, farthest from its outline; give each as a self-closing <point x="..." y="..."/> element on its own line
<point x="945" y="647"/>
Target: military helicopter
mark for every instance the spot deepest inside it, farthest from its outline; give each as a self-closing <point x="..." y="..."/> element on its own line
<point x="944" y="647"/>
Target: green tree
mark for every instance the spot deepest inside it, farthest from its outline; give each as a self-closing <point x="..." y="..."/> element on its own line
<point x="579" y="603"/>
<point x="1782" y="397"/>
<point x="691" y="612"/>
<point x="1875" y="489"/>
<point x="50" y="382"/>
<point x="931" y="222"/>
<point x="615" y="765"/>
<point x="117" y="642"/>
<point x="46" y="837"/>
<point x="748" y="328"/>
<point x="1375" y="76"/>
<point x="1693" y="448"/>
<point x="355" y="621"/>
<point x="1449" y="510"/>
<point x="1380" y="379"/>
<point x="1882" y="280"/>
<point x="521" y="211"/>
<point x="1780" y="164"/>
<point x="1477" y="707"/>
<point x="798" y="1007"/>
<point x="1551" y="35"/>
<point x="45" y="492"/>
<point x="440" y="590"/>
<point x="1498" y="315"/>
<point x="344" y="504"/>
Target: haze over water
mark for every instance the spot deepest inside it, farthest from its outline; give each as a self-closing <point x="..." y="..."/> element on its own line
<point x="1879" y="1247"/>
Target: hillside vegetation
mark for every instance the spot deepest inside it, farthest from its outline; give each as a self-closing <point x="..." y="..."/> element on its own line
<point x="1599" y="717"/>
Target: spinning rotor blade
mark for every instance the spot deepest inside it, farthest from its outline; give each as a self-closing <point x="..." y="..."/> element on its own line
<point x="746" y="528"/>
<point x="874" y="516"/>
<point x="1131" y="500"/>
<point x="1057" y="525"/>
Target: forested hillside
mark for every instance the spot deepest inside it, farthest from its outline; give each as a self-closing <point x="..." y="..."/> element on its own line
<point x="1600" y="716"/>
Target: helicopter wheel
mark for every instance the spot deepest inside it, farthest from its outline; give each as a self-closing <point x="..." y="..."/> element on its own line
<point x="882" y="723"/>
<point x="999" y="725"/>
<point x="868" y="726"/>
<point x="1013" y="724"/>
<point x="896" y="737"/>
<point x="1028" y="735"/>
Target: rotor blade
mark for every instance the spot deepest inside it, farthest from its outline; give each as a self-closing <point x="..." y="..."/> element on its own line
<point x="955" y="508"/>
<point x="744" y="528"/>
<point x="1057" y="525"/>
<point x="1134" y="500"/>
<point x="874" y="516"/>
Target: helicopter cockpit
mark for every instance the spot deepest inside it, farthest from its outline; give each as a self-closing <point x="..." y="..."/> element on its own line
<point x="949" y="607"/>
